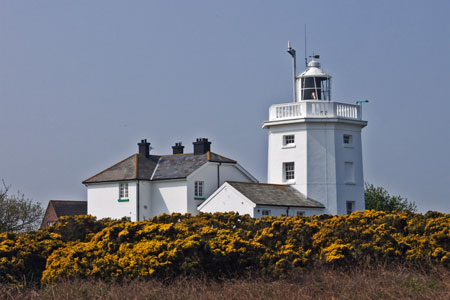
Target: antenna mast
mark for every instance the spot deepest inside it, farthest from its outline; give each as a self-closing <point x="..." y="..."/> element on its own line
<point x="291" y="51"/>
<point x="306" y="60"/>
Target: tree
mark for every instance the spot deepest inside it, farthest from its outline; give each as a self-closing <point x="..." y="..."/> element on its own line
<point x="18" y="214"/>
<point x="378" y="198"/>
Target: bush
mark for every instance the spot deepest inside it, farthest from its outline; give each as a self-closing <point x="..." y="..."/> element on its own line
<point x="223" y="245"/>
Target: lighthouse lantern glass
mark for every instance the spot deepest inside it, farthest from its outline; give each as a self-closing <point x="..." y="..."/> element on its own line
<point x="315" y="88"/>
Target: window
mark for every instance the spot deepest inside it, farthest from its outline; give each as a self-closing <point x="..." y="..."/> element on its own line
<point x="350" y="207"/>
<point x="300" y="213"/>
<point x="288" y="140"/>
<point x="289" y="172"/>
<point x="315" y="88"/>
<point x="349" y="172"/>
<point x="123" y="190"/>
<point x="198" y="188"/>
<point x="266" y="212"/>
<point x="348" y="139"/>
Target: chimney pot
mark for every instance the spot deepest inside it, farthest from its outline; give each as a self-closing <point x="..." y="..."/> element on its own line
<point x="178" y="148"/>
<point x="201" y="146"/>
<point x="144" y="148"/>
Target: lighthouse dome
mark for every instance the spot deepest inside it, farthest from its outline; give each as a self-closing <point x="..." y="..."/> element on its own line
<point x="314" y="70"/>
<point x="314" y="63"/>
<point x="313" y="83"/>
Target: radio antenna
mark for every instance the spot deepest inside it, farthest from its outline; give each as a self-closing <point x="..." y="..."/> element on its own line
<point x="306" y="60"/>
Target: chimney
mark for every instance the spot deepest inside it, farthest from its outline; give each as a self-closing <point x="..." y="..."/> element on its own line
<point x="178" y="148"/>
<point x="201" y="146"/>
<point x="144" y="148"/>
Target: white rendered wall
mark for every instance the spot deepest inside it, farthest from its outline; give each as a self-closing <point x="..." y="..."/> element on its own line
<point x="296" y="153"/>
<point x="228" y="199"/>
<point x="212" y="181"/>
<point x="349" y="191"/>
<point x="278" y="211"/>
<point x="168" y="197"/>
<point x="145" y="207"/>
<point x="319" y="155"/>
<point x="103" y="201"/>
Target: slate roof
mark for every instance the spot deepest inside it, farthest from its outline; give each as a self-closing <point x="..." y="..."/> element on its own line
<point x="69" y="208"/>
<point x="274" y="194"/>
<point x="156" y="167"/>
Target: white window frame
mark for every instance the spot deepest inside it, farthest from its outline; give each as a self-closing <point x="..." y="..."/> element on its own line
<point x="199" y="188"/>
<point x="289" y="141"/>
<point x="289" y="171"/>
<point x="123" y="190"/>
<point x="266" y="212"/>
<point x="352" y="207"/>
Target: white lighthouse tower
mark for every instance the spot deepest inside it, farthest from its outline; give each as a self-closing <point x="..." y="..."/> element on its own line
<point x="315" y="143"/>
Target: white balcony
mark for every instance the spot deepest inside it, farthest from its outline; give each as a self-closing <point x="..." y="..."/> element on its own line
<point x="314" y="109"/>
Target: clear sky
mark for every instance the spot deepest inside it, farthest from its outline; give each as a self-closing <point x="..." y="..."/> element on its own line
<point x="81" y="82"/>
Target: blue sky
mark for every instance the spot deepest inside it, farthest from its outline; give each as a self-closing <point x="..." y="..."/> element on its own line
<point x="81" y="82"/>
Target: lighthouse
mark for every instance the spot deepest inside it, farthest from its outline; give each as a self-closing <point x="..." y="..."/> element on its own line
<point x="314" y="143"/>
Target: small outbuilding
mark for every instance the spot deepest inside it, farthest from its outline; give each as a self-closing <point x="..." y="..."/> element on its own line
<point x="261" y="199"/>
<point x="61" y="208"/>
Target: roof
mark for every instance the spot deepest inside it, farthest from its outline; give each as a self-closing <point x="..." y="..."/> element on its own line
<point x="69" y="208"/>
<point x="156" y="167"/>
<point x="274" y="194"/>
<point x="314" y="70"/>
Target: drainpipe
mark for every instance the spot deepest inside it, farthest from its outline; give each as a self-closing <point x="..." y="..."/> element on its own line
<point x="218" y="175"/>
<point x="137" y="200"/>
<point x="287" y="211"/>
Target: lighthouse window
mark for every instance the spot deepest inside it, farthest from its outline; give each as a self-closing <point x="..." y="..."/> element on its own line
<point x="315" y="88"/>
<point x="289" y="171"/>
<point x="350" y="207"/>
<point x="347" y="139"/>
<point x="288" y="140"/>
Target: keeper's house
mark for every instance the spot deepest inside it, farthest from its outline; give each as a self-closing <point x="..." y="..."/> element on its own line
<point x="143" y="185"/>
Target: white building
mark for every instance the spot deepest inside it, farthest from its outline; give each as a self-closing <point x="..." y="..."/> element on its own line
<point x="314" y="167"/>
<point x="261" y="199"/>
<point x="314" y="148"/>
<point x="143" y="185"/>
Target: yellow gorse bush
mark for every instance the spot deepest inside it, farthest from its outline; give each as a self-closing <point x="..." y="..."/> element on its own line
<point x="221" y="244"/>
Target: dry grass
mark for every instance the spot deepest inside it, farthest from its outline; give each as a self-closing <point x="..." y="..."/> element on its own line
<point x="321" y="283"/>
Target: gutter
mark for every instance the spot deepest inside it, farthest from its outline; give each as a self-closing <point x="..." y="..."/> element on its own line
<point x="137" y="200"/>
<point x="218" y="174"/>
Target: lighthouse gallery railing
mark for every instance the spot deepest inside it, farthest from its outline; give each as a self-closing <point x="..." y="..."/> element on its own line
<point x="314" y="109"/>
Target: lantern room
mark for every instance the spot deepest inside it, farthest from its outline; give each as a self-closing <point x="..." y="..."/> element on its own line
<point x="313" y="83"/>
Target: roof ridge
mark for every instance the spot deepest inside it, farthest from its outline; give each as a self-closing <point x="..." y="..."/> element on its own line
<point x="107" y="169"/>
<point x="260" y="183"/>
<point x="178" y="154"/>
<point x="224" y="157"/>
<point x="67" y="201"/>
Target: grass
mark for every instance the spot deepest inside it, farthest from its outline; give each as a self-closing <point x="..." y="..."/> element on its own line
<point x="397" y="282"/>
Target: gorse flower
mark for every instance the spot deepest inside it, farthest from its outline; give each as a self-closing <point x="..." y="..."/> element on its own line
<point x="220" y="244"/>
